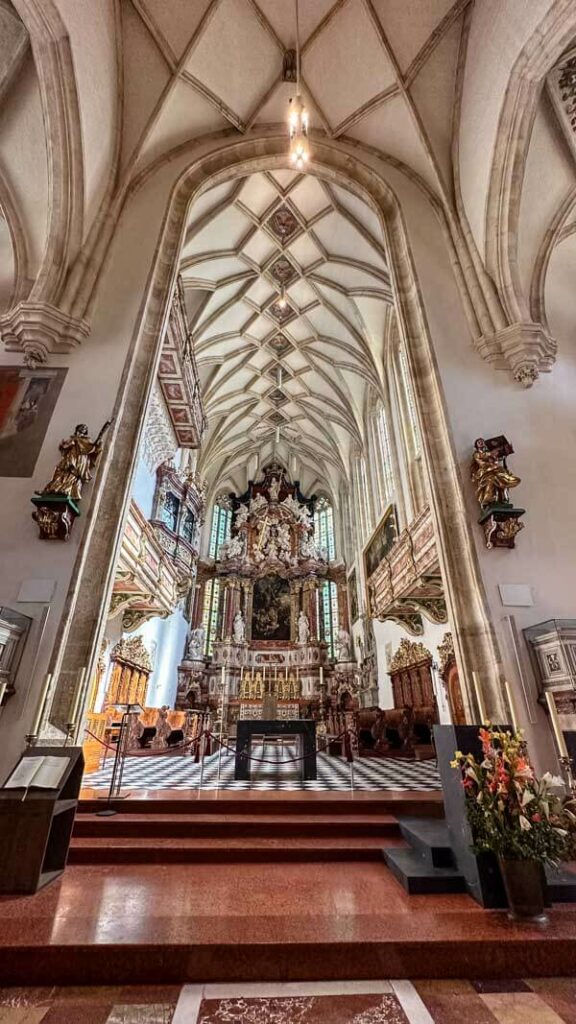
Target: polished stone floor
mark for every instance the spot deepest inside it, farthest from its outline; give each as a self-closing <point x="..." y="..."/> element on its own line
<point x="531" y="1001"/>
<point x="272" y="769"/>
<point x="248" y="922"/>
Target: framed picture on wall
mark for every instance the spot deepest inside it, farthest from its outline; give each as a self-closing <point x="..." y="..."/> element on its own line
<point x="353" y="597"/>
<point x="27" y="400"/>
<point x="381" y="542"/>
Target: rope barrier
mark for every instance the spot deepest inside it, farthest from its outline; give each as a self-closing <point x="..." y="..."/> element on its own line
<point x="346" y="736"/>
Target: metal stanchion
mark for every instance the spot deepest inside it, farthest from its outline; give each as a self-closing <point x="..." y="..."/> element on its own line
<point x="118" y="766"/>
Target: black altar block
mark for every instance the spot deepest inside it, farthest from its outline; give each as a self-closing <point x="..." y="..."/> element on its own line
<point x="246" y="728"/>
<point x="481" y="872"/>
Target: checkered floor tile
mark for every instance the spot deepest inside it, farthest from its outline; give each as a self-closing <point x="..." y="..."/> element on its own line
<point x="173" y="772"/>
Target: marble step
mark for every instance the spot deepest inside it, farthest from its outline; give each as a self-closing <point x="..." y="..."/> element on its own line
<point x="256" y="850"/>
<point x="429" y="838"/>
<point x="406" y="803"/>
<point x="185" y="826"/>
<point x="418" y="877"/>
<point x="561" y="883"/>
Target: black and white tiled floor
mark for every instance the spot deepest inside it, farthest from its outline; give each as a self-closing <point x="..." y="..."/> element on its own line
<point x="170" y="772"/>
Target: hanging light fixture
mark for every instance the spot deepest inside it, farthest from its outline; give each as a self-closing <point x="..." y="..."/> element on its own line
<point x="282" y="301"/>
<point x="298" y="116"/>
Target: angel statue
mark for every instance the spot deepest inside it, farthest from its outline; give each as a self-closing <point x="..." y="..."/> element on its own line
<point x="303" y="628"/>
<point x="491" y="475"/>
<point x="79" y="456"/>
<point x="343" y="645"/>
<point x="239" y="628"/>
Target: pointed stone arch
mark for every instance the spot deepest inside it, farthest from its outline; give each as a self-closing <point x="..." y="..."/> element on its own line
<point x="80" y="632"/>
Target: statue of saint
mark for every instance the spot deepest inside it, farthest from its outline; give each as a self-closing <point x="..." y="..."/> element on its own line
<point x="491" y="475"/>
<point x="274" y="489"/>
<point x="303" y="628"/>
<point x="239" y="628"/>
<point x="79" y="456"/>
<point x="343" y="645"/>
<point x="195" y="646"/>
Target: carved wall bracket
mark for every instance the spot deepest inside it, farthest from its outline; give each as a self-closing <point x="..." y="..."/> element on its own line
<point x="525" y="349"/>
<point x="38" y="329"/>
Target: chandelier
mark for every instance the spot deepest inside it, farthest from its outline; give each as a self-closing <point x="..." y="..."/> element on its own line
<point x="298" y="116"/>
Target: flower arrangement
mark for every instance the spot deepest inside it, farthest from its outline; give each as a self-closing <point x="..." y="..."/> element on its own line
<point x="511" y="812"/>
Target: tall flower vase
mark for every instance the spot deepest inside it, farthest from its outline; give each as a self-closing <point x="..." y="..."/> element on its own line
<point x="524" y="884"/>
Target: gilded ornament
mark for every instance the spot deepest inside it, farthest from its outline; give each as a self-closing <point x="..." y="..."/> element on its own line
<point x="409" y="654"/>
<point x="133" y="651"/>
<point x="446" y="650"/>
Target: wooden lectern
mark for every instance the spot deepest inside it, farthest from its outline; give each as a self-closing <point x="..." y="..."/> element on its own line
<point x="36" y="825"/>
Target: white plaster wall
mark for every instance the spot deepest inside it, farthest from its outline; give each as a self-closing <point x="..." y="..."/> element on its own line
<point x="23" y="158"/>
<point x="93" y="39"/>
<point x="498" y="32"/>
<point x="549" y="177"/>
<point x="165" y="640"/>
<point x="143" y="488"/>
<point x="541" y="425"/>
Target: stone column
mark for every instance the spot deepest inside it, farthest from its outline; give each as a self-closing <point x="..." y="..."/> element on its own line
<point x="248" y="598"/>
<point x="295" y="594"/>
<point x="343" y="609"/>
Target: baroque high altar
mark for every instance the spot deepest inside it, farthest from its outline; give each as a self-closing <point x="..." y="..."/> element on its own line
<point x="270" y="651"/>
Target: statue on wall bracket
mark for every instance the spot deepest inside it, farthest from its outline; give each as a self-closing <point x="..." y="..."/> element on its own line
<point x="489" y="471"/>
<point x="57" y="504"/>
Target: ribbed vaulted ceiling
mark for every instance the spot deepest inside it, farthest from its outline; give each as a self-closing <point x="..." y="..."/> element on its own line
<point x="305" y="368"/>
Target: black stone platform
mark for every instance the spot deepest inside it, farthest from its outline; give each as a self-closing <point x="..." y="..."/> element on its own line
<point x="305" y="728"/>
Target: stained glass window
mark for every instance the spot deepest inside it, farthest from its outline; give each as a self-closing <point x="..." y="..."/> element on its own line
<point x="210" y="614"/>
<point x="220" y="531"/>
<point x="324" y="527"/>
<point x="410" y="404"/>
<point x="330" y="615"/>
<point x="385" y="454"/>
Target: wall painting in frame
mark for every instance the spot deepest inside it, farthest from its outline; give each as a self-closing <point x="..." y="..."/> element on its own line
<point x="27" y="401"/>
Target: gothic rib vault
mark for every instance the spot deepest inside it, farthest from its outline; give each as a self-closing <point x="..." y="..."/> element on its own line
<point x="305" y="369"/>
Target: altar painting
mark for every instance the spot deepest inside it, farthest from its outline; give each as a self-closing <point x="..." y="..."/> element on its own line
<point x="271" y="609"/>
<point x="27" y="400"/>
<point x="381" y="541"/>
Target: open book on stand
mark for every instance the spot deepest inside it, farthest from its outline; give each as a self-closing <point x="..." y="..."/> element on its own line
<point x="43" y="772"/>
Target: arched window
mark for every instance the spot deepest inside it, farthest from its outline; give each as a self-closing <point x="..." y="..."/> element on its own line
<point x="412" y="424"/>
<point x="324" y="527"/>
<point x="362" y="498"/>
<point x="385" y="452"/>
<point x="221" y="526"/>
<point x="330" y="615"/>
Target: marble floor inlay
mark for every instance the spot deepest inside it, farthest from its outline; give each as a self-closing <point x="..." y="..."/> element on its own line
<point x="174" y="772"/>
<point x="536" y="1001"/>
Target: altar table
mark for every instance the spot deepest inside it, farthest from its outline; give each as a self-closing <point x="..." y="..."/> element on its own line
<point x="304" y="728"/>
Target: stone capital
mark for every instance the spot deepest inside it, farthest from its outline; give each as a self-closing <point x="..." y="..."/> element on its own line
<point x="38" y="329"/>
<point x="526" y="349"/>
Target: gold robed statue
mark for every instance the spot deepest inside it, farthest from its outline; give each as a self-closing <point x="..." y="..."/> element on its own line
<point x="491" y="475"/>
<point x="79" y="457"/>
